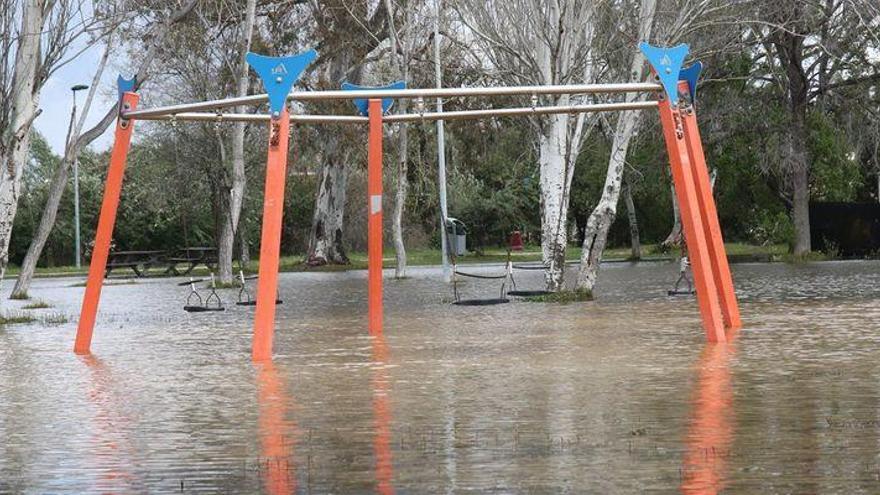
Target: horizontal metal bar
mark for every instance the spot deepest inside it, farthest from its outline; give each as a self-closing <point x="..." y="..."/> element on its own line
<point x="409" y="117"/>
<point x="401" y="93"/>
<point x="514" y="112"/>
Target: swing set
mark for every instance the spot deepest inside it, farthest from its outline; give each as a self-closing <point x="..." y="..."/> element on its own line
<point x="674" y="88"/>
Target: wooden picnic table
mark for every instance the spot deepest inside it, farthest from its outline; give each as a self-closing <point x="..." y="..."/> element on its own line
<point x="138" y="261"/>
<point x="191" y="257"/>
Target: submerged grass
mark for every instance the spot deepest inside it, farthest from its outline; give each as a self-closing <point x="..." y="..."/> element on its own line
<point x="562" y="297"/>
<point x="15" y="318"/>
<point x="37" y="305"/>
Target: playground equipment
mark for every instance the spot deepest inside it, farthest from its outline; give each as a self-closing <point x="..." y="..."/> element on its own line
<point x="195" y="303"/>
<point x="675" y="91"/>
<point x="502" y="296"/>
<point x="244" y="295"/>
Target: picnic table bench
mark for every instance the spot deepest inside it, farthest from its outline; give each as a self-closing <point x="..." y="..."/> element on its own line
<point x="191" y="257"/>
<point x="138" y="261"/>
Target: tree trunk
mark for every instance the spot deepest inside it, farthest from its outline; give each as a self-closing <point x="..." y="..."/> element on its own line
<point x="674" y="237"/>
<point x="325" y="241"/>
<point x="602" y="217"/>
<point x="56" y="189"/>
<point x="790" y="47"/>
<point x="400" y="199"/>
<point x="232" y="213"/>
<point x="635" y="241"/>
<point x="50" y="212"/>
<point x="553" y="172"/>
<point x="401" y="66"/>
<point x="15" y="142"/>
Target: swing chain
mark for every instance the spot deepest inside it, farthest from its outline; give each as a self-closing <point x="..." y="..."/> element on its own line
<point x="420" y="106"/>
<point x="218" y="121"/>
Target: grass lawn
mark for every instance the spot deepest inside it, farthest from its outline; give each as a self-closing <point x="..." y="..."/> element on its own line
<point x="428" y="257"/>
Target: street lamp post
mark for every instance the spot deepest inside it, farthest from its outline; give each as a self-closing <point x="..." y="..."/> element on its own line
<point x="73" y="138"/>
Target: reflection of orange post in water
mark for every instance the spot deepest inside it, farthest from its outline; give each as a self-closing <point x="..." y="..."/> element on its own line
<point x="112" y="451"/>
<point x="104" y="234"/>
<point x="374" y="208"/>
<point x="694" y="233"/>
<point x="710" y="434"/>
<point x="382" y="418"/>
<point x="276" y="435"/>
<point x="709" y="213"/>
<point x="270" y="242"/>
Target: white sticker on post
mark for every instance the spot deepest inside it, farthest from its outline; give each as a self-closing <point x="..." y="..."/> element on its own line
<point x="375" y="204"/>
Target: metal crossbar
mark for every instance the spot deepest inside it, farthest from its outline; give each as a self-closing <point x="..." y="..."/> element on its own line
<point x="574" y="89"/>
<point x="407" y="117"/>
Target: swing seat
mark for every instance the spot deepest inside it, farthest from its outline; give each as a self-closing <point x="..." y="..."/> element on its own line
<point x="528" y="293"/>
<point x="481" y="302"/>
<point x="254" y="302"/>
<point x="202" y="309"/>
<point x="681" y="292"/>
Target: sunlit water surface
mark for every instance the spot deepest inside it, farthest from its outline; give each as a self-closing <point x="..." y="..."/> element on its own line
<point x="620" y="395"/>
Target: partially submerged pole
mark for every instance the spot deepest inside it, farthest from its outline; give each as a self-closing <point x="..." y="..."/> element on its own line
<point x="278" y="75"/>
<point x="441" y="151"/>
<point x="106" y="221"/>
<point x="374" y="222"/>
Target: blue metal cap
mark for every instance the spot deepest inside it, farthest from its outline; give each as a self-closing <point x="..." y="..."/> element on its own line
<point x="124" y="85"/>
<point x="279" y="75"/>
<point x="691" y="74"/>
<point x="667" y="64"/>
<point x="362" y="104"/>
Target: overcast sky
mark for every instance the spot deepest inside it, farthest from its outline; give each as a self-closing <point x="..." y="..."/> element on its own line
<point x="56" y="100"/>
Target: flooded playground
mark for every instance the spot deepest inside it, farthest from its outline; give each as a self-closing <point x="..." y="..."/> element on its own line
<point x="619" y="395"/>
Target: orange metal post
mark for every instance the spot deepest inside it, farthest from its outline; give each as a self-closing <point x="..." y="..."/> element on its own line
<point x="709" y="213"/>
<point x="695" y="236"/>
<point x="374" y="225"/>
<point x="270" y="242"/>
<point x="106" y="221"/>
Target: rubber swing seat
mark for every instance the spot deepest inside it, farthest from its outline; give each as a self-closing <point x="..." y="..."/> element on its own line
<point x="480" y="302"/>
<point x="254" y="303"/>
<point x="680" y="292"/>
<point x="527" y="293"/>
<point x="202" y="309"/>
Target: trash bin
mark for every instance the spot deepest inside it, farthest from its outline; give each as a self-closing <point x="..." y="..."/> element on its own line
<point x="456" y="235"/>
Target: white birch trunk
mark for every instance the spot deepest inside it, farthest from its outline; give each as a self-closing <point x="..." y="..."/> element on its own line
<point x="600" y="220"/>
<point x="47" y="220"/>
<point x="232" y="212"/>
<point x="554" y="188"/>
<point x="56" y="189"/>
<point x="25" y="97"/>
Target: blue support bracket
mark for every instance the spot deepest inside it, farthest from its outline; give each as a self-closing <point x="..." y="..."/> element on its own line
<point x="279" y="74"/>
<point x="691" y="74"/>
<point x="124" y="85"/>
<point x="362" y="104"/>
<point x="667" y="62"/>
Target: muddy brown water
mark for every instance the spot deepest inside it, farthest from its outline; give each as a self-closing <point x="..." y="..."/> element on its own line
<point x="619" y="395"/>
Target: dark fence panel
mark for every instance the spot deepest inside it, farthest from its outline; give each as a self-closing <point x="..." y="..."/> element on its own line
<point x="853" y="229"/>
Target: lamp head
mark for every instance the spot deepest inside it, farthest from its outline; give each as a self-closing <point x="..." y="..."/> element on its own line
<point x="78" y="87"/>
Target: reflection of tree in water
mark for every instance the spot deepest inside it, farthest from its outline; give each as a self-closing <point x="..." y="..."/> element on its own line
<point x="111" y="447"/>
<point x="277" y="434"/>
<point x="710" y="433"/>
<point x="382" y="417"/>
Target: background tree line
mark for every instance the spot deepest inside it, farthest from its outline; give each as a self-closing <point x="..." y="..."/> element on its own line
<point x="788" y="108"/>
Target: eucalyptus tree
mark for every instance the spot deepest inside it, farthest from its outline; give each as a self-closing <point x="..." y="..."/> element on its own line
<point x="533" y="42"/>
<point x="158" y="23"/>
<point x="600" y="220"/>
<point x="813" y="56"/>
<point x="37" y="38"/>
<point x="350" y="34"/>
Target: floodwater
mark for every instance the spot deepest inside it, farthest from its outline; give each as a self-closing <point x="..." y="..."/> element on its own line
<point x="619" y="395"/>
